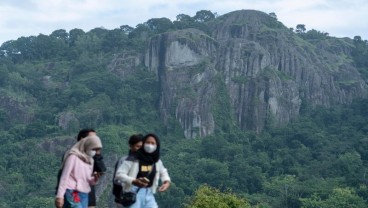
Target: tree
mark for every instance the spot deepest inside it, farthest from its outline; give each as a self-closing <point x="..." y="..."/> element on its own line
<point x="183" y="21"/>
<point x="74" y="34"/>
<point x="114" y="40"/>
<point x="184" y="18"/>
<point x="204" y="16"/>
<point x="60" y="34"/>
<point x="339" y="198"/>
<point x="273" y="15"/>
<point x="360" y="53"/>
<point x="159" y="25"/>
<point x="208" y="197"/>
<point x="126" y="29"/>
<point x="284" y="188"/>
<point x="141" y="32"/>
<point x="300" y="28"/>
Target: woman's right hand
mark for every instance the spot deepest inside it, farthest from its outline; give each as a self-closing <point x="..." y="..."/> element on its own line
<point x="140" y="183"/>
<point x="59" y="202"/>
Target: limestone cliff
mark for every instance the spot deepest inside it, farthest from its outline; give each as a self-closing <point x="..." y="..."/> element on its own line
<point x="268" y="72"/>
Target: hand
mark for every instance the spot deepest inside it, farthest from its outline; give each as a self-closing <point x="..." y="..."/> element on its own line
<point x="98" y="174"/>
<point x="59" y="202"/>
<point x="164" y="186"/>
<point x="140" y="182"/>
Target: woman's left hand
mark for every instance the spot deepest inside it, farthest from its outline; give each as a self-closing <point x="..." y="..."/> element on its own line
<point x="97" y="176"/>
<point x="59" y="202"/>
<point x="164" y="186"/>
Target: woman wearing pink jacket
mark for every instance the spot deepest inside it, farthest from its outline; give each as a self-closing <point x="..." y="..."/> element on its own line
<point x="77" y="174"/>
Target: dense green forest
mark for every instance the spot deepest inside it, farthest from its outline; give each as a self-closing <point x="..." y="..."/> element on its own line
<point x="53" y="85"/>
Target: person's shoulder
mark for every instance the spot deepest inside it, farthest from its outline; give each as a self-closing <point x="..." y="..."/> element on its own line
<point x="123" y="158"/>
<point x="71" y="156"/>
<point x="131" y="158"/>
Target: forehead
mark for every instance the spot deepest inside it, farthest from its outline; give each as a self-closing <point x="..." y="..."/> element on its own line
<point x="151" y="139"/>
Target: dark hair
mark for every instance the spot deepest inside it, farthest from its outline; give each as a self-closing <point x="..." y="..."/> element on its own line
<point x="135" y="138"/>
<point x="154" y="136"/>
<point x="84" y="133"/>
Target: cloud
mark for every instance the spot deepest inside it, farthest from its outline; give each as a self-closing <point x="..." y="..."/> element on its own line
<point x="31" y="17"/>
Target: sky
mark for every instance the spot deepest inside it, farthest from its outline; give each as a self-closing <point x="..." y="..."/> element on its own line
<point x="339" y="18"/>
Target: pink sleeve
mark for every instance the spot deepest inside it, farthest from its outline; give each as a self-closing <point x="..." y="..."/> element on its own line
<point x="65" y="176"/>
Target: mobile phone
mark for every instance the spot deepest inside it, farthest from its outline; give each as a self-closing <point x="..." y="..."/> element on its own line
<point x="145" y="179"/>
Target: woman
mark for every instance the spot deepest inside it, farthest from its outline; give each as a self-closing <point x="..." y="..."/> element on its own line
<point x="77" y="174"/>
<point x="141" y="172"/>
<point x="135" y="143"/>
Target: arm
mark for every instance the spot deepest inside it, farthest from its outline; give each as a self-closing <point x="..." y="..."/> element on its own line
<point x="164" y="176"/>
<point x="117" y="165"/>
<point x="65" y="175"/>
<point x="122" y="172"/>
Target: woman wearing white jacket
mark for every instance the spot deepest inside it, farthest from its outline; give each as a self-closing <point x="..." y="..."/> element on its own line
<point x="142" y="171"/>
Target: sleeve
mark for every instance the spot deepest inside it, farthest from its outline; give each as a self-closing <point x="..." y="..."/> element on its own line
<point x="98" y="165"/>
<point x="117" y="165"/>
<point x="122" y="172"/>
<point x="65" y="175"/>
<point x="164" y="174"/>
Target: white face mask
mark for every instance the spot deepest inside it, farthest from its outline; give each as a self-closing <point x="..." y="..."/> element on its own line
<point x="149" y="148"/>
<point x="91" y="153"/>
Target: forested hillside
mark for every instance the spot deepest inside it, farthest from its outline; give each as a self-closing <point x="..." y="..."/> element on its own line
<point x="264" y="133"/>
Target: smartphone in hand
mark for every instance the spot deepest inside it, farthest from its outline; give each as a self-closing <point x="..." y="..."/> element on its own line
<point x="144" y="179"/>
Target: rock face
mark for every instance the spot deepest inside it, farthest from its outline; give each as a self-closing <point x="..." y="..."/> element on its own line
<point x="267" y="72"/>
<point x="184" y="63"/>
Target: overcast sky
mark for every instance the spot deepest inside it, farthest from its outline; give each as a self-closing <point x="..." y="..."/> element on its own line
<point x="340" y="18"/>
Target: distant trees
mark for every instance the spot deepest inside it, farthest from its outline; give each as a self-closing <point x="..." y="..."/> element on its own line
<point x="209" y="197"/>
<point x="184" y="21"/>
<point x="340" y="197"/>
<point x="159" y="25"/>
<point x="360" y="52"/>
<point x="62" y="44"/>
<point x="126" y="29"/>
<point x="300" y="28"/>
<point x="204" y="16"/>
<point x="310" y="34"/>
<point x="273" y="15"/>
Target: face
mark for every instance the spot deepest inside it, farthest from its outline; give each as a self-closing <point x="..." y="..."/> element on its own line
<point x="98" y="150"/>
<point x="91" y="133"/>
<point x="151" y="140"/>
<point x="135" y="147"/>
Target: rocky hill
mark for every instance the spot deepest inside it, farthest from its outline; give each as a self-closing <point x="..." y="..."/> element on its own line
<point x="265" y="71"/>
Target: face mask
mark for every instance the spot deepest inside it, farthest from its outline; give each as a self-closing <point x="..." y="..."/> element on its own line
<point x="91" y="153"/>
<point x="149" y="148"/>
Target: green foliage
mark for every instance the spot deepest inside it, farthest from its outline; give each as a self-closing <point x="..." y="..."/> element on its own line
<point x="204" y="16"/>
<point x="208" y="197"/>
<point x="300" y="28"/>
<point x="339" y="198"/>
<point x="360" y="54"/>
<point x="51" y="86"/>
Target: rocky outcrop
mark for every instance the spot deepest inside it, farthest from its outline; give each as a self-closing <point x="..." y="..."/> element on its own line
<point x="184" y="63"/>
<point x="268" y="72"/>
<point x="124" y="64"/>
<point x="16" y="106"/>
